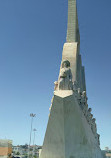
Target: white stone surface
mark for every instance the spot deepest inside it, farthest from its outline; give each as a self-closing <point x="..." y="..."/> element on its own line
<point x="72" y="27"/>
<point x="70" y="54"/>
<point x="65" y="77"/>
<point x="68" y="134"/>
<point x="63" y="94"/>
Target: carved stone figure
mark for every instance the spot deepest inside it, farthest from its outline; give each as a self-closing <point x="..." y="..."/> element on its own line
<point x="98" y="139"/>
<point x="56" y="85"/>
<point x="79" y="96"/>
<point x="93" y="127"/>
<point x="84" y="97"/>
<point x="90" y="119"/>
<point x="65" y="77"/>
<point x="89" y="115"/>
<point x="75" y="89"/>
<point x="85" y="109"/>
<point x="83" y="101"/>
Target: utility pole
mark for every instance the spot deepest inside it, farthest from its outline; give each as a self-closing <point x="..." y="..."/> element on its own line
<point x="32" y="116"/>
<point x="34" y="140"/>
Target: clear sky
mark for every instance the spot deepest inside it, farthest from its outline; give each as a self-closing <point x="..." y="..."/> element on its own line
<point x="32" y="34"/>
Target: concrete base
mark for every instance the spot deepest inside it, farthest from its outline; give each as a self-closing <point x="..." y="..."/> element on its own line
<point x="68" y="134"/>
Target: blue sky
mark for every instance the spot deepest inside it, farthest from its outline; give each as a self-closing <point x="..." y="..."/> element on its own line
<point x="32" y="34"/>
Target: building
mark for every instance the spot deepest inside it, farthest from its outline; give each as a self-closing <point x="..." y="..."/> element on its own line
<point x="107" y="152"/>
<point x="24" y="151"/>
<point x="5" y="148"/>
<point x="20" y="150"/>
<point x="108" y="155"/>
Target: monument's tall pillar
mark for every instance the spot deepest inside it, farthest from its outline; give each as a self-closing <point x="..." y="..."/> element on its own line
<point x="71" y="131"/>
<point x="71" y="49"/>
<point x="72" y="26"/>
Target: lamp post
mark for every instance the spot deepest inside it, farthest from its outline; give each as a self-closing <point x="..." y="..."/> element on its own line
<point x="34" y="140"/>
<point x="32" y="116"/>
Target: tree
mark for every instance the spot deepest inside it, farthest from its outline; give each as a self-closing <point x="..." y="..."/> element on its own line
<point x="17" y="153"/>
<point x="9" y="155"/>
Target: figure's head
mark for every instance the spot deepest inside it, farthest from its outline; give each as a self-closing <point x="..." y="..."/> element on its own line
<point x="79" y="90"/>
<point x="94" y="120"/>
<point x="66" y="64"/>
<point x="84" y="93"/>
<point x="89" y="109"/>
<point x="91" y="115"/>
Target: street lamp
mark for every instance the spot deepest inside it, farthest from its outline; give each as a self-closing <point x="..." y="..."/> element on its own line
<point x="32" y="116"/>
<point x="34" y="140"/>
<point x="34" y="135"/>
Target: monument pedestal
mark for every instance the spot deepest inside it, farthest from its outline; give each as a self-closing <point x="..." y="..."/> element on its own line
<point x="68" y="134"/>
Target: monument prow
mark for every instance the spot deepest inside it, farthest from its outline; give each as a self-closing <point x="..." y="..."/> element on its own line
<point x="71" y="131"/>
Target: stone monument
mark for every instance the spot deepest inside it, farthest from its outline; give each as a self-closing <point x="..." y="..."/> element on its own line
<point x="71" y="131"/>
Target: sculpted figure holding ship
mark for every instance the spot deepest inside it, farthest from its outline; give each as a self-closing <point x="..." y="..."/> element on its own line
<point x="65" y="77"/>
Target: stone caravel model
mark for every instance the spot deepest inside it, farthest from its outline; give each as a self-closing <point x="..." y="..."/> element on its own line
<point x="71" y="131"/>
